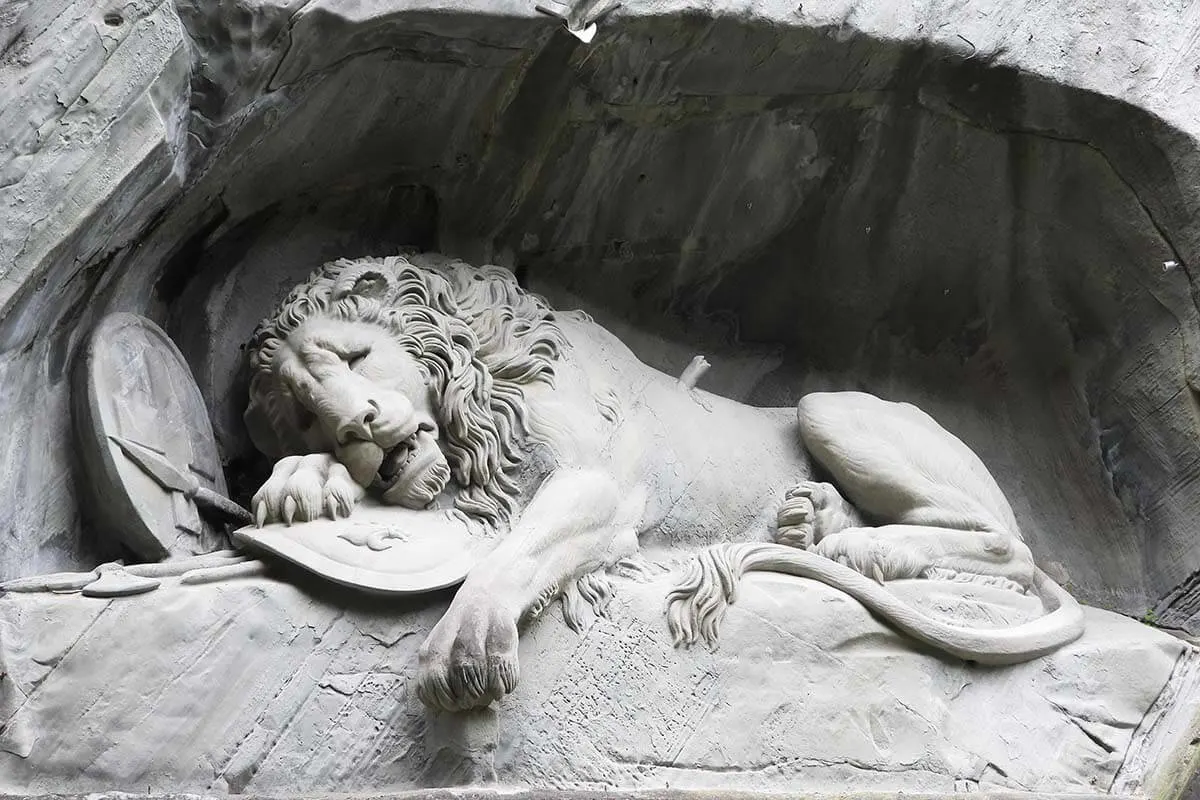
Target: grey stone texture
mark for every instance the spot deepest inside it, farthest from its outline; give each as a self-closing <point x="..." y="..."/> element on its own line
<point x="295" y="687"/>
<point x="990" y="209"/>
<point x="966" y="206"/>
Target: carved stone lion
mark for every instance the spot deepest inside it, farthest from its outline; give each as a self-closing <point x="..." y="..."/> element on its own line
<point x="429" y="381"/>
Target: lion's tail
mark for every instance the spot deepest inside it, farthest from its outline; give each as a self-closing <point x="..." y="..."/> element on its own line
<point x="697" y="605"/>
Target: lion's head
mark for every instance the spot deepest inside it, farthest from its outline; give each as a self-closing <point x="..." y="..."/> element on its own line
<point x="410" y="375"/>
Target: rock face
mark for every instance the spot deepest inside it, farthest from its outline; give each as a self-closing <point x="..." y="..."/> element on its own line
<point x="91" y="146"/>
<point x="990" y="213"/>
<point x="257" y="686"/>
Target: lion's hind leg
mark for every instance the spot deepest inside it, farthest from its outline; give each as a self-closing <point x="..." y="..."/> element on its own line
<point x="897" y="465"/>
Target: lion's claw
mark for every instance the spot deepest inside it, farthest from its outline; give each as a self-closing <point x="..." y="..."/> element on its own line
<point x="469" y="659"/>
<point x="304" y="488"/>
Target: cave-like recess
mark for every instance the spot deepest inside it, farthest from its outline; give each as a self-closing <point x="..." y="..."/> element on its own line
<point x="811" y="207"/>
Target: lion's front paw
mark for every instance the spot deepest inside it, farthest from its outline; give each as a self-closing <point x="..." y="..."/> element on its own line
<point x="469" y="659"/>
<point x="874" y="556"/>
<point x="302" y="488"/>
<point x="810" y="511"/>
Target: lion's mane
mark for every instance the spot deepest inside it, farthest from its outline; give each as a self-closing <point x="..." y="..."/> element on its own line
<point x="478" y="334"/>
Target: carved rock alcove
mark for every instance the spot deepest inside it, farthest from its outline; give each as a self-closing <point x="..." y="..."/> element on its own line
<point x="870" y="214"/>
<point x="947" y="210"/>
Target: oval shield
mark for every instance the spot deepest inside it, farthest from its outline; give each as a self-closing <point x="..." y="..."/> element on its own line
<point x="133" y="386"/>
<point x="379" y="549"/>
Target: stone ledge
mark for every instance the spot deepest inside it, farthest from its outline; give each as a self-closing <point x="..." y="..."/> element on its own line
<point x="502" y="793"/>
<point x="297" y="691"/>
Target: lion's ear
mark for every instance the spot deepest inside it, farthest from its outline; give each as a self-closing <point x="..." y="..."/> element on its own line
<point x="364" y="281"/>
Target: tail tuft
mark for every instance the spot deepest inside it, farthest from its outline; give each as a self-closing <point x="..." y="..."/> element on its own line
<point x="697" y="604"/>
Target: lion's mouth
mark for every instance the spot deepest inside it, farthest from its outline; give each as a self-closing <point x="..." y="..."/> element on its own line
<point x="408" y="459"/>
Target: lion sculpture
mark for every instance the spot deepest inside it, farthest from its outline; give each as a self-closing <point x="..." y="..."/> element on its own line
<point x="426" y="381"/>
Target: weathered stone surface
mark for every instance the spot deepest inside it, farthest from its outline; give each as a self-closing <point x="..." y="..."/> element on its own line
<point x="990" y="211"/>
<point x="261" y="687"/>
<point x="508" y="793"/>
<point x="93" y="107"/>
<point x="969" y="208"/>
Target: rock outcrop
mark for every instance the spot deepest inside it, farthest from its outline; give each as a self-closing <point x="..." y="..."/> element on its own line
<point x="992" y="212"/>
<point x="255" y="686"/>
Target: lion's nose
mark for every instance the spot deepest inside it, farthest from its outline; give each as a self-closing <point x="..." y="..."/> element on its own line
<point x="358" y="427"/>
